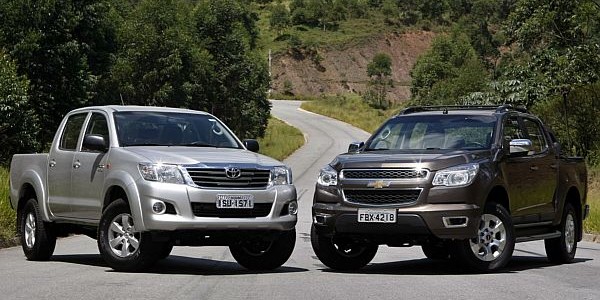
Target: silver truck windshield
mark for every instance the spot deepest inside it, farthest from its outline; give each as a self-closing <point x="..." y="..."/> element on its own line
<point x="146" y="128"/>
<point x="439" y="132"/>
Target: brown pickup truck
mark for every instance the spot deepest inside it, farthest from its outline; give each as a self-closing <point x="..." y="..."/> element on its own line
<point x="463" y="182"/>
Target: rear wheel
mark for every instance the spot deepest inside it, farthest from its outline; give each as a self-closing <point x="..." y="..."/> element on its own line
<point x="265" y="254"/>
<point x="37" y="240"/>
<point x="122" y="246"/>
<point x="341" y="254"/>
<point x="562" y="249"/>
<point x="493" y="246"/>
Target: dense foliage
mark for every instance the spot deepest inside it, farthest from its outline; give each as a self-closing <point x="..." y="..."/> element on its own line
<point x="195" y="54"/>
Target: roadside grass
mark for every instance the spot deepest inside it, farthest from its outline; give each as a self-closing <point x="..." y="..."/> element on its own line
<point x="8" y="225"/>
<point x="281" y="139"/>
<point x="350" y="109"/>
<point x="592" y="223"/>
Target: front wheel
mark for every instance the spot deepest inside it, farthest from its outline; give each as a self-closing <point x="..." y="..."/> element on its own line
<point x="436" y="252"/>
<point x="493" y="246"/>
<point x="562" y="249"/>
<point x="37" y="240"/>
<point x="265" y="254"/>
<point x="122" y="246"/>
<point x="341" y="254"/>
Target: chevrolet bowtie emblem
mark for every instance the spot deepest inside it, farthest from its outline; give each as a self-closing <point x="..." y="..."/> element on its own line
<point x="379" y="184"/>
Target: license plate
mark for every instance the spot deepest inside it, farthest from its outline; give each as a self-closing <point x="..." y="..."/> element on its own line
<point x="376" y="215"/>
<point x="235" y="201"/>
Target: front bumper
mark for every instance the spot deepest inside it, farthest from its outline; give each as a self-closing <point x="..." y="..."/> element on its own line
<point x="181" y="198"/>
<point x="421" y="220"/>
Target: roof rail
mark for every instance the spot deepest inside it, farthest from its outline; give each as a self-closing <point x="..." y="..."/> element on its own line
<point x="446" y="108"/>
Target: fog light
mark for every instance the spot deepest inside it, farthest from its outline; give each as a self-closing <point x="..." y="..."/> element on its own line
<point x="159" y="207"/>
<point x="293" y="208"/>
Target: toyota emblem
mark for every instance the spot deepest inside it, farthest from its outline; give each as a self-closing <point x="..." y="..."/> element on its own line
<point x="233" y="172"/>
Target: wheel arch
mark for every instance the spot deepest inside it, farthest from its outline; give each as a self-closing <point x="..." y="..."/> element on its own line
<point x="499" y="195"/>
<point x="120" y="185"/>
<point x="573" y="197"/>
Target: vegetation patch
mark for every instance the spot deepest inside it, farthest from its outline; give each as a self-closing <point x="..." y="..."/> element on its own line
<point x="592" y="223"/>
<point x="351" y="109"/>
<point x="281" y="139"/>
<point x="8" y="222"/>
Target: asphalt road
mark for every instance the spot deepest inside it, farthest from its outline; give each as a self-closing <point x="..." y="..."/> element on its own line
<point x="76" y="270"/>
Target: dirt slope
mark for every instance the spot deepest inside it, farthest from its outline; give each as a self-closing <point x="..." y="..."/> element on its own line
<point x="345" y="71"/>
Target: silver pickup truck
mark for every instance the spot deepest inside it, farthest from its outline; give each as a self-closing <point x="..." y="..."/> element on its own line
<point x="143" y="179"/>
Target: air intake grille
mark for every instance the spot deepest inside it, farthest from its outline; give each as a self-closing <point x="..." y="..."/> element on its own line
<point x="210" y="210"/>
<point x="217" y="178"/>
<point x="382" y="197"/>
<point x="385" y="174"/>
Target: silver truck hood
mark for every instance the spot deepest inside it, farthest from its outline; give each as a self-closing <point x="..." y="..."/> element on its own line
<point x="202" y="155"/>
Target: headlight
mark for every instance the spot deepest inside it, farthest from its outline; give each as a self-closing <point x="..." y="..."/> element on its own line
<point x="281" y="176"/>
<point x="456" y="176"/>
<point x="161" y="173"/>
<point x="328" y="176"/>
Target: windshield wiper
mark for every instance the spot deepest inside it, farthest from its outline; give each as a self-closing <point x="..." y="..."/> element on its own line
<point x="196" y="144"/>
<point x="143" y="144"/>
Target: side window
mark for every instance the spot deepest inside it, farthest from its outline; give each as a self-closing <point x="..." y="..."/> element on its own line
<point x="536" y="135"/>
<point x="70" y="134"/>
<point x="97" y="125"/>
<point x="512" y="130"/>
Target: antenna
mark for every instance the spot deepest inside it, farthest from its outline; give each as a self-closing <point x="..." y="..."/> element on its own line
<point x="121" y="95"/>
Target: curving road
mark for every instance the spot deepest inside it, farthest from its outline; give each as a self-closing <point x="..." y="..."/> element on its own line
<point x="76" y="271"/>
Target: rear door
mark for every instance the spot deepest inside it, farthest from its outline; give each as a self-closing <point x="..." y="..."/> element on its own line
<point x="87" y="180"/>
<point x="60" y="164"/>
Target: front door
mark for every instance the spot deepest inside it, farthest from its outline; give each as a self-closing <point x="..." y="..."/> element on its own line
<point x="87" y="179"/>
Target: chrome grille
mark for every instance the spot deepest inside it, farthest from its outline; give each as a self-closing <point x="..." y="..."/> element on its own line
<point x="385" y="174"/>
<point x="217" y="178"/>
<point x="382" y="197"/>
<point x="210" y="210"/>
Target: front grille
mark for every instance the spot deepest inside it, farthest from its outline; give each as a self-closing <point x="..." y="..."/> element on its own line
<point x="216" y="178"/>
<point x="210" y="210"/>
<point x="382" y="197"/>
<point x="385" y="174"/>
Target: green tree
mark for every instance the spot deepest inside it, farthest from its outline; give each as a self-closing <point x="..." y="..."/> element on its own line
<point x="64" y="49"/>
<point x="237" y="87"/>
<point x="379" y="71"/>
<point x="448" y="71"/>
<point x="280" y="17"/>
<point x="18" y="125"/>
<point x="158" y="62"/>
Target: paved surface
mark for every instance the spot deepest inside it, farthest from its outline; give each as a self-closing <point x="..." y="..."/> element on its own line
<point x="76" y="271"/>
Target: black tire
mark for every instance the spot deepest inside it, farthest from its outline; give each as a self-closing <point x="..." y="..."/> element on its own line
<point x="562" y="249"/>
<point x="437" y="252"/>
<point x="37" y="239"/>
<point x="165" y="251"/>
<point x="130" y="259"/>
<point x="265" y="255"/>
<point x="491" y="257"/>
<point x="341" y="255"/>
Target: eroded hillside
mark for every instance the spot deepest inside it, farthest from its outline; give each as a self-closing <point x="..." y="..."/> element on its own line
<point x="344" y="71"/>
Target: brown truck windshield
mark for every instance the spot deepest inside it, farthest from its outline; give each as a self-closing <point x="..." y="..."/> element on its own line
<point x="435" y="132"/>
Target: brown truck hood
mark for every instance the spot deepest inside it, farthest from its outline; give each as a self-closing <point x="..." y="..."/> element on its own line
<point x="431" y="160"/>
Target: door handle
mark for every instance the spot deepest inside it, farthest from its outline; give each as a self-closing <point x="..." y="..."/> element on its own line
<point x="533" y="168"/>
<point x="554" y="166"/>
<point x="52" y="163"/>
<point x="76" y="165"/>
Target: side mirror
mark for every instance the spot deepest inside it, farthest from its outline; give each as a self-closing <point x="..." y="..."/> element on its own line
<point x="355" y="146"/>
<point x="251" y="145"/>
<point x="520" y="147"/>
<point x="95" y="142"/>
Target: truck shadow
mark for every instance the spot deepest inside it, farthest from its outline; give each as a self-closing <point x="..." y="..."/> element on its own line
<point x="180" y="265"/>
<point x="436" y="267"/>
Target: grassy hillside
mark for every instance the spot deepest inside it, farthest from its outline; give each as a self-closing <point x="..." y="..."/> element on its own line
<point x="350" y="109"/>
<point x="7" y="215"/>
